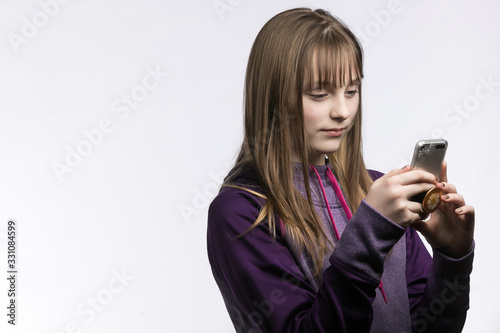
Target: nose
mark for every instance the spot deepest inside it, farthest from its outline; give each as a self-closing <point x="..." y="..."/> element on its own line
<point x="339" y="110"/>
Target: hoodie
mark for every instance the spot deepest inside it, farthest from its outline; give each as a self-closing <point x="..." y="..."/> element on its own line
<point x="379" y="277"/>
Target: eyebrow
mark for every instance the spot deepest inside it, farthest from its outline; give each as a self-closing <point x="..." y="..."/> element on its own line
<point x="355" y="82"/>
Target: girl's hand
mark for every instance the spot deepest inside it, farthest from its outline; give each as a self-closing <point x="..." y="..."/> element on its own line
<point x="390" y="195"/>
<point x="450" y="229"/>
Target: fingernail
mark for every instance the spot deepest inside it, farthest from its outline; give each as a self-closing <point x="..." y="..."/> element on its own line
<point x="447" y="197"/>
<point x="405" y="167"/>
<point x="443" y="184"/>
<point x="460" y="211"/>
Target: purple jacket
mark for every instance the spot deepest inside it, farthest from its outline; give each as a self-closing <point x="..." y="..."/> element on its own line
<point x="268" y="286"/>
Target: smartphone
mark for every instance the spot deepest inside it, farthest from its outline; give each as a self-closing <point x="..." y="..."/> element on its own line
<point x="428" y="155"/>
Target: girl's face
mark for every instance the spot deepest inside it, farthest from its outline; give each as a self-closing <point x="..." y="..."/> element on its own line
<point x="328" y="115"/>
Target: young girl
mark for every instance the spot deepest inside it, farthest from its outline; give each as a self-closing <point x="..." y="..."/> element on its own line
<point x="302" y="237"/>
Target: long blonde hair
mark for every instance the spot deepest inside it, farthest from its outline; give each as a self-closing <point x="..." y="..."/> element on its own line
<point x="280" y="68"/>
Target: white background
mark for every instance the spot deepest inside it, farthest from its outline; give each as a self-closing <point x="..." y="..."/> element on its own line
<point x="136" y="204"/>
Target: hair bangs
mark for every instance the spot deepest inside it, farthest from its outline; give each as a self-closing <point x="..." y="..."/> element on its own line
<point x="332" y="60"/>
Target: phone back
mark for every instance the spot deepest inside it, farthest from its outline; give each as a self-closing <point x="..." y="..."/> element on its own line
<point x="428" y="155"/>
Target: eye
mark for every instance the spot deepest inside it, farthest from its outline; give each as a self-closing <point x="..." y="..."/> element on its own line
<point x="351" y="91"/>
<point x="318" y="96"/>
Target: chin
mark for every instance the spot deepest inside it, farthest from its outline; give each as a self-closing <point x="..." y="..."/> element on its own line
<point x="327" y="147"/>
<point x="327" y="151"/>
<point x="331" y="149"/>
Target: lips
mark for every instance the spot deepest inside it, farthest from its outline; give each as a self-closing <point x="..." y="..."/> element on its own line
<point x="334" y="131"/>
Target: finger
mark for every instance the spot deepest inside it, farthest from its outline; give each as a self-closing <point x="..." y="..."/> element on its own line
<point x="414" y="189"/>
<point x="444" y="172"/>
<point x="418" y="211"/>
<point x="393" y="173"/>
<point x="415" y="207"/>
<point x="465" y="210"/>
<point x="447" y="187"/>
<point x="454" y="198"/>
<point x="467" y="213"/>
<point x="417" y="176"/>
<point x="396" y="172"/>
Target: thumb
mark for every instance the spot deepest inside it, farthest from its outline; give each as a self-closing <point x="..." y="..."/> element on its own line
<point x="444" y="172"/>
